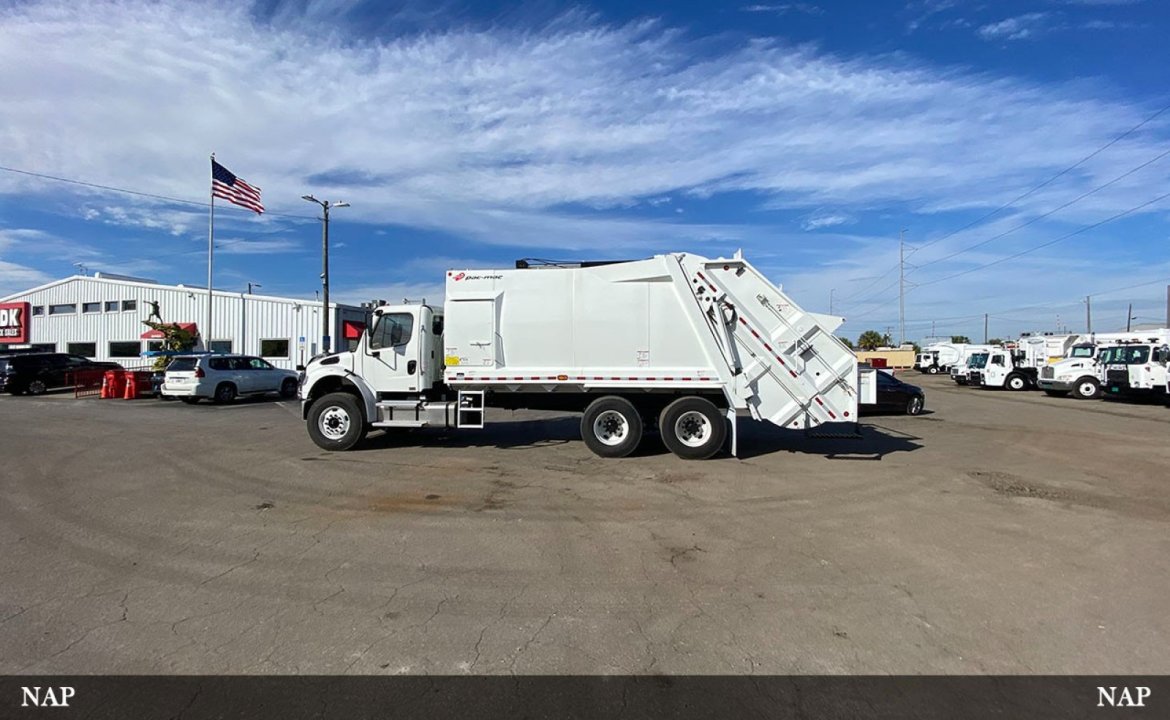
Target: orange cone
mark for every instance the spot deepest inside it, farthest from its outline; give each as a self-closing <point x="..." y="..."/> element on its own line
<point x="131" y="387"/>
<point x="105" y="386"/>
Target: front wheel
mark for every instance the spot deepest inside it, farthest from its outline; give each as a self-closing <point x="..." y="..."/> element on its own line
<point x="336" y="422"/>
<point x="1087" y="389"/>
<point x="932" y="370"/>
<point x="36" y="387"/>
<point x="611" y="427"/>
<point x="1016" y="382"/>
<point x="692" y="428"/>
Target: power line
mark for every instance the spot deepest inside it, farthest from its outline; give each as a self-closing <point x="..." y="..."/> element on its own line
<point x="1053" y="211"/>
<point x="1050" y="242"/>
<point x="139" y="193"/>
<point x="1050" y="180"/>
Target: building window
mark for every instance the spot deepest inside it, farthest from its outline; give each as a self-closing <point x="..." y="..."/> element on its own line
<point x="87" y="349"/>
<point x="38" y="309"/>
<point x="274" y="348"/>
<point x="127" y="349"/>
<point x="62" y="309"/>
<point x="91" y="307"/>
<point x="129" y="305"/>
<point x="221" y="346"/>
<point x="154" y="345"/>
<point x="111" y="306"/>
<point x="46" y="347"/>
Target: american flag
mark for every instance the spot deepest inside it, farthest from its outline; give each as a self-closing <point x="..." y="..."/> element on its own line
<point x="224" y="184"/>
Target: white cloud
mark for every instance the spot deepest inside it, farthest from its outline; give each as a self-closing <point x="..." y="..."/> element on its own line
<point x="784" y="8"/>
<point x="1020" y="27"/>
<point x="16" y="278"/>
<point x="242" y="246"/>
<point x="821" y="220"/>
<point x="501" y="137"/>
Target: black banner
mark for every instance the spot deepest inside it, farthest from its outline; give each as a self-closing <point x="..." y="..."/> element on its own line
<point x="563" y="698"/>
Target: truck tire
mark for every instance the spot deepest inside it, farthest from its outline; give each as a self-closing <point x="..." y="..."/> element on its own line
<point x="692" y="428"/>
<point x="1016" y="382"/>
<point x="932" y="370"/>
<point x="1086" y="388"/>
<point x="611" y="427"/>
<point x="336" y="422"/>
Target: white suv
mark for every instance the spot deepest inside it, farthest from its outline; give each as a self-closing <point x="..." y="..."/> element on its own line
<point x="222" y="378"/>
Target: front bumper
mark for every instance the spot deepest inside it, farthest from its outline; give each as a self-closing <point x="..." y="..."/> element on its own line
<point x="1058" y="385"/>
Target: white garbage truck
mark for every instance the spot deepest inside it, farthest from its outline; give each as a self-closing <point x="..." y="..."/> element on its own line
<point x="1079" y="374"/>
<point x="676" y="342"/>
<point x="1018" y="367"/>
<point x="939" y="358"/>
<point x="972" y="358"/>
<point x="1137" y="368"/>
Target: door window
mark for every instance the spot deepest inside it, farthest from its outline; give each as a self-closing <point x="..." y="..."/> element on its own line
<point x="257" y="364"/>
<point x="393" y="330"/>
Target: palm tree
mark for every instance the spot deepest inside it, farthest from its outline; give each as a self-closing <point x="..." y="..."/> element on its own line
<point x="870" y="340"/>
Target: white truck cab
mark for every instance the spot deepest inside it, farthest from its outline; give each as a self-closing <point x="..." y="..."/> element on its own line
<point x="1135" y="370"/>
<point x="1003" y="369"/>
<point x="974" y="357"/>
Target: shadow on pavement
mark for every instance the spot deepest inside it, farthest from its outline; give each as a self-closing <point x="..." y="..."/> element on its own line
<point x="755" y="439"/>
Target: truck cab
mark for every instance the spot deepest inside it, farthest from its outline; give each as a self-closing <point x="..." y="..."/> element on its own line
<point x="927" y="362"/>
<point x="1135" y="370"/>
<point x="1075" y="374"/>
<point x="1003" y="370"/>
<point x="400" y="354"/>
<point x="962" y="374"/>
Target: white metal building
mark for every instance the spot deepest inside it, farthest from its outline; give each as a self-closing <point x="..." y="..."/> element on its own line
<point x="101" y="317"/>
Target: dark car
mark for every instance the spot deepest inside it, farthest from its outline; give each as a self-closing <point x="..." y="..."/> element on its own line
<point x="38" y="373"/>
<point x="893" y="395"/>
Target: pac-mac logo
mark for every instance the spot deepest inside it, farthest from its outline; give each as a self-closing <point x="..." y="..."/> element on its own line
<point x="459" y="276"/>
<point x="14" y="322"/>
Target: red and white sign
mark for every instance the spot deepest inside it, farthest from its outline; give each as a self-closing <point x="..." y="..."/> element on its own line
<point x="14" y="322"/>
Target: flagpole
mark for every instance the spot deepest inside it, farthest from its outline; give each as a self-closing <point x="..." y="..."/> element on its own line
<point x="210" y="259"/>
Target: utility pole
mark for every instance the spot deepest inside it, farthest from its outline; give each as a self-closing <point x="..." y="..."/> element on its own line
<point x="325" y="207"/>
<point x="1128" y="317"/>
<point x="985" y="335"/>
<point x="1089" y="314"/>
<point x="901" y="287"/>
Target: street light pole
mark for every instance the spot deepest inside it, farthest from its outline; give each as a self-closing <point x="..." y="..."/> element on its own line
<point x="326" y="206"/>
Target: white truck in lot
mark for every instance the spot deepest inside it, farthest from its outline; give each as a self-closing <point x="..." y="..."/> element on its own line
<point x="939" y="357"/>
<point x="1079" y="374"/>
<point x="1019" y="368"/>
<point x="973" y="358"/>
<point x="1136" y="369"/>
<point x="678" y="342"/>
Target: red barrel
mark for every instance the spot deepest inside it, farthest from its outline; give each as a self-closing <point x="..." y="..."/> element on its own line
<point x="114" y="384"/>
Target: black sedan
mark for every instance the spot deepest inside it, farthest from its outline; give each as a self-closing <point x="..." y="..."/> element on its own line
<point x="893" y="395"/>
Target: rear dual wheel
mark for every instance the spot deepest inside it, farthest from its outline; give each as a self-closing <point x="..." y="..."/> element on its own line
<point x="692" y="428"/>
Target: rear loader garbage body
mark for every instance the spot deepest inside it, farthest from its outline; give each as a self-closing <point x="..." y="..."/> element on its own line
<point x="678" y="342"/>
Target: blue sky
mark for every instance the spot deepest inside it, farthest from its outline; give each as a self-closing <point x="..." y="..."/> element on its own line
<point x="471" y="134"/>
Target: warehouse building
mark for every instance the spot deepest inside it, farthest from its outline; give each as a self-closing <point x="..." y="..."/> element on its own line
<point x="101" y="317"/>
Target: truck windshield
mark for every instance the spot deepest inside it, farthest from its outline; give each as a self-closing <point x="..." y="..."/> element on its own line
<point x="977" y="361"/>
<point x="1125" y="355"/>
<point x="1082" y="351"/>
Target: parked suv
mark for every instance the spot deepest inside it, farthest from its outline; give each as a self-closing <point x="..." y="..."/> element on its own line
<point x="37" y="373"/>
<point x="223" y="378"/>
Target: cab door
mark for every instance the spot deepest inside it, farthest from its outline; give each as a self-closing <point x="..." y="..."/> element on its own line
<point x="390" y="360"/>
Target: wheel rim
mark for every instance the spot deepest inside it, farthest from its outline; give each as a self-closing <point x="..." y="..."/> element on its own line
<point x="915" y="405"/>
<point x="36" y="387"/>
<point x="692" y="429"/>
<point x="1016" y="384"/>
<point x="611" y="427"/>
<point x="1088" y="389"/>
<point x="334" y="422"/>
<point x="225" y="393"/>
